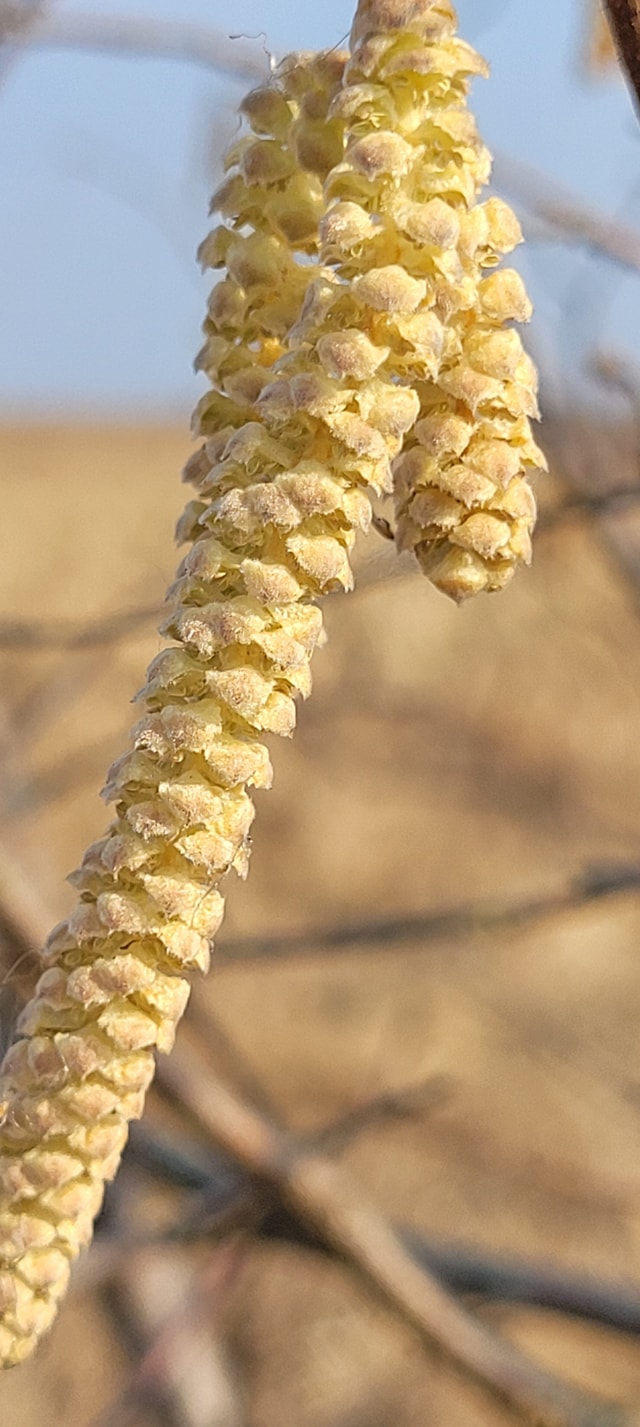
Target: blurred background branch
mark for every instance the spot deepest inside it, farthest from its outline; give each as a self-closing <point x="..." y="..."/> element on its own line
<point x="237" y="57"/>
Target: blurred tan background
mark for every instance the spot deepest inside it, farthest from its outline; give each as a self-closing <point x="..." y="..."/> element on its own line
<point x="478" y="761"/>
<point x="435" y="956"/>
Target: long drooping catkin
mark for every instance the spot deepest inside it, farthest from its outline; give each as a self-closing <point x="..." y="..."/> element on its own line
<point x="149" y="903"/>
<point x="463" y="503"/>
<point x="319" y="374"/>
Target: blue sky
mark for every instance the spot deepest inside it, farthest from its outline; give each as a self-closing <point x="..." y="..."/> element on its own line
<point x="106" y="164"/>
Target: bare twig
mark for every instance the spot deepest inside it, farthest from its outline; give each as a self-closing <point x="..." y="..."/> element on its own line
<point x="222" y="1208"/>
<point x="459" y="921"/>
<point x="24" y="918"/>
<point x="237" y="57"/>
<point x="336" y="1212"/>
<point x="333" y="1213"/>
<point x="578" y="463"/>
<point x="507" y="1280"/>
<point x="30" y="920"/>
<point x="588" y="504"/>
<point x="16" y="16"/>
<point x="225" y="1203"/>
<point x="624" y="18"/>
<point x="167" y="1313"/>
<point x="620" y="373"/>
<point x="564" y="212"/>
<point x="411" y="1102"/>
<point x="26" y="634"/>
<point x="16" y="20"/>
<point x="179" y="1160"/>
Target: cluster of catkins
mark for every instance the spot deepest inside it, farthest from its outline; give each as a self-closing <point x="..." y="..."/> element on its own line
<point x="358" y="341"/>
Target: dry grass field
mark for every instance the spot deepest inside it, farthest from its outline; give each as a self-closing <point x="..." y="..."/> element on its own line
<point x="471" y="761"/>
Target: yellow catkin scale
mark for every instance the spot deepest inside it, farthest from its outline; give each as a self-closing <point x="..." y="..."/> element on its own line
<point x="463" y="502"/>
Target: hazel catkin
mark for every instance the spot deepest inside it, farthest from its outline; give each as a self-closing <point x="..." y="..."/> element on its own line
<point x="357" y="339"/>
<point x="114" y="981"/>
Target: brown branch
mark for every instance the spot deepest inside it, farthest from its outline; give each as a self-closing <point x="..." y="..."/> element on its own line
<point x="333" y="1214"/>
<point x="624" y="18"/>
<point x="16" y="20"/>
<point x="578" y="464"/>
<point x="16" y="16"/>
<point x="227" y="1203"/>
<point x="411" y="1102"/>
<point x="25" y="921"/>
<point x="459" y="921"/>
<point x="563" y="211"/>
<point x="599" y="53"/>
<point x="166" y="1314"/>
<point x="507" y="1280"/>
<point x="588" y="504"/>
<point x="30" y="921"/>
<point x="234" y="56"/>
<point x="23" y="635"/>
<point x="221" y="1209"/>
<point x="336" y="1212"/>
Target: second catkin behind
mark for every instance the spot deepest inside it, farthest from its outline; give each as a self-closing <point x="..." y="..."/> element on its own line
<point x="462" y="498"/>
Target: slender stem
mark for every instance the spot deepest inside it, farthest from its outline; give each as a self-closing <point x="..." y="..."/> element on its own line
<point x="624" y="18"/>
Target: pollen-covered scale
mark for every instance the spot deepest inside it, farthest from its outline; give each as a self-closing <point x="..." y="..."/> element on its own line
<point x="355" y="343"/>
